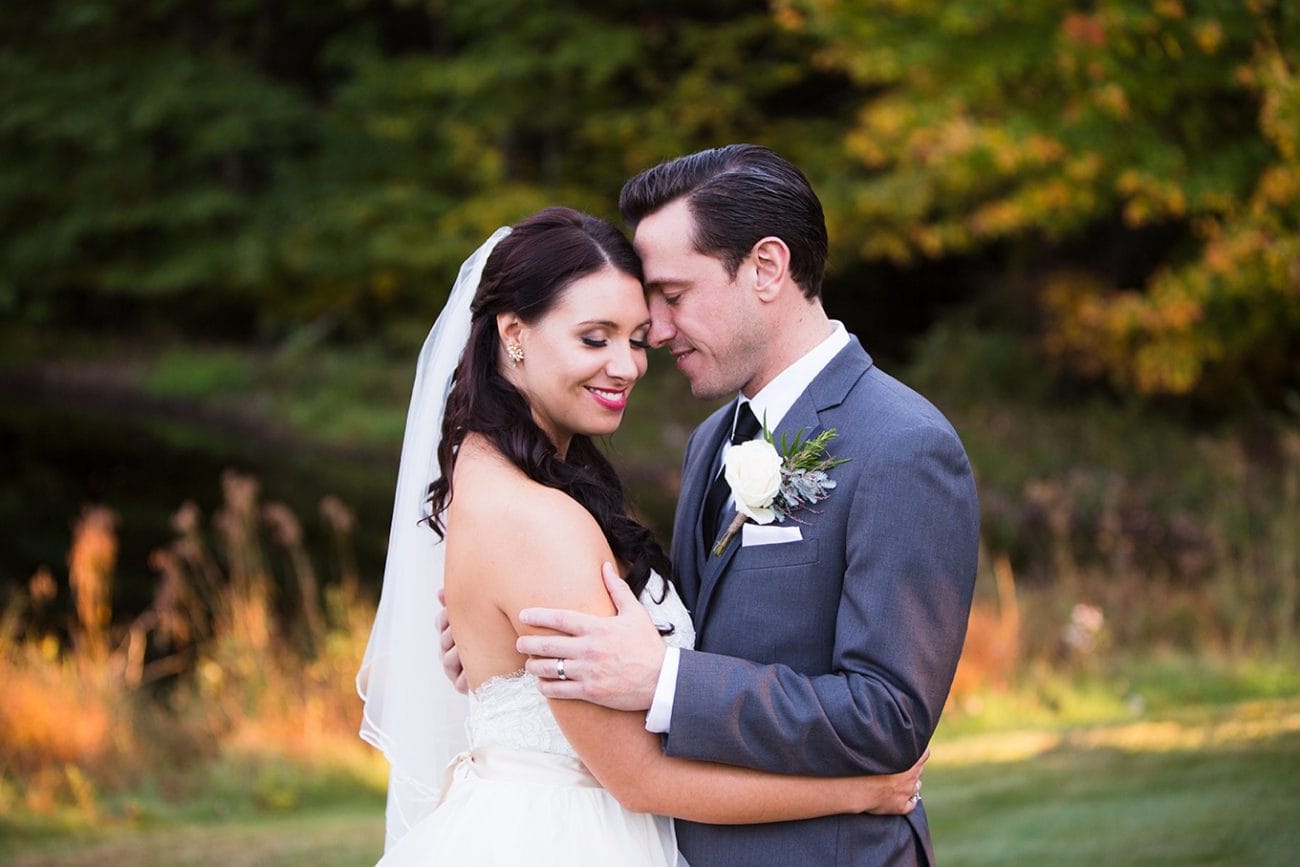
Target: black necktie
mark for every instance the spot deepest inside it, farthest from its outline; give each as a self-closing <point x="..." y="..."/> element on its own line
<point x="747" y="427"/>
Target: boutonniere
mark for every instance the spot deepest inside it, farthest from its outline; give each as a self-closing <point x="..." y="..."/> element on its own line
<point x="770" y="483"/>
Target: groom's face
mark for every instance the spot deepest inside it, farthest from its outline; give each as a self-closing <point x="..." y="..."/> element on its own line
<point x="707" y="319"/>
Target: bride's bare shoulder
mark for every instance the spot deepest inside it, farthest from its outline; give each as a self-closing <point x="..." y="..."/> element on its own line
<point x="527" y="544"/>
<point x="488" y="489"/>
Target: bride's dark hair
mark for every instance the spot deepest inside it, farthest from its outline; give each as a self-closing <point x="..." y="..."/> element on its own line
<point x="525" y="274"/>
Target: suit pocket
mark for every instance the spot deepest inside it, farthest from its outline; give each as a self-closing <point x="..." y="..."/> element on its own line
<point x="752" y="535"/>
<point x="776" y="605"/>
<point x="780" y="556"/>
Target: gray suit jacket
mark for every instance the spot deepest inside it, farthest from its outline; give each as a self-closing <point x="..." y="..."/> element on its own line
<point x="832" y="655"/>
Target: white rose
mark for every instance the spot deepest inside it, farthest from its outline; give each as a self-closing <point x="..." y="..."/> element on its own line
<point x="754" y="473"/>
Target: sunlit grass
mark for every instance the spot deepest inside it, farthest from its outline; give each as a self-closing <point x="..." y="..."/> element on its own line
<point x="232" y="789"/>
<point x="1193" y="728"/>
<point x="1175" y="680"/>
<point x="1204" y="787"/>
<point x="1122" y="689"/>
<point x="323" y="838"/>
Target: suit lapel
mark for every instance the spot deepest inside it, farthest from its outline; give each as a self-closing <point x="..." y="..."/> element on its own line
<point x="710" y="576"/>
<point x="697" y="475"/>
<point x="827" y="390"/>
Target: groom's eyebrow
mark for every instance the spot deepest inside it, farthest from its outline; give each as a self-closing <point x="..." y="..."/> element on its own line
<point x="664" y="283"/>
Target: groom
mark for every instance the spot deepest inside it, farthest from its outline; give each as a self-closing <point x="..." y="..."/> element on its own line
<point x="826" y="642"/>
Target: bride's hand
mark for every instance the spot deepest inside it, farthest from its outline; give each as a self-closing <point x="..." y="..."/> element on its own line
<point x="450" y="655"/>
<point x="898" y="794"/>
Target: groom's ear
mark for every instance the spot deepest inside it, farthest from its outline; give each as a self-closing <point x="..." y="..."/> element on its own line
<point x="771" y="263"/>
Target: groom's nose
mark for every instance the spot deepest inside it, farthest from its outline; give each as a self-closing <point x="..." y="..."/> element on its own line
<point x="662" y="329"/>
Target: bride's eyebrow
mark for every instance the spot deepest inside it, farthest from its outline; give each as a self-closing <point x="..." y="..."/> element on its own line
<point x="610" y="324"/>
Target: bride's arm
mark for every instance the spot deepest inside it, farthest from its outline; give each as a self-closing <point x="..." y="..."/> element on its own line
<point x="564" y="549"/>
<point x="629" y="762"/>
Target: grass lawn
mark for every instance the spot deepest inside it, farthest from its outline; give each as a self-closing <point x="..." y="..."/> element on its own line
<point x="329" y="838"/>
<point x="1205" y="785"/>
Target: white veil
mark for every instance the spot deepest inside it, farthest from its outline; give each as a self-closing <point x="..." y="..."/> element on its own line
<point x="412" y="712"/>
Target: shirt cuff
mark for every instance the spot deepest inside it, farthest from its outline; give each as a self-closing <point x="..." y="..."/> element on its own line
<point x="660" y="716"/>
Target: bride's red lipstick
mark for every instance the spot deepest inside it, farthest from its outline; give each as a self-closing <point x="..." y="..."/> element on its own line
<point x="610" y="398"/>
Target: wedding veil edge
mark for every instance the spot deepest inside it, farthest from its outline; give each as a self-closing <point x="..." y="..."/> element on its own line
<point x="411" y="712"/>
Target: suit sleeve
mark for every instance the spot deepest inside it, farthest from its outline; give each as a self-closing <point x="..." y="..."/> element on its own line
<point x="910" y="559"/>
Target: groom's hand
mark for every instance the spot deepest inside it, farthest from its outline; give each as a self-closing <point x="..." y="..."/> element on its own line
<point x="610" y="661"/>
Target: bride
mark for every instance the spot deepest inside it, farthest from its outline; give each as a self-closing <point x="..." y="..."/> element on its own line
<point x="502" y="491"/>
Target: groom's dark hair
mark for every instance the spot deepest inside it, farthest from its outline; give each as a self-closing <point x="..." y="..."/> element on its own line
<point x="738" y="194"/>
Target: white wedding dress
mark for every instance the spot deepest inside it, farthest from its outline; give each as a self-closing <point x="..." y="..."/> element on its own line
<point x="521" y="795"/>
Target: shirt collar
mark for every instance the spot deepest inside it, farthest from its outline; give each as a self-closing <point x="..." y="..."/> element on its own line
<point x="774" y="400"/>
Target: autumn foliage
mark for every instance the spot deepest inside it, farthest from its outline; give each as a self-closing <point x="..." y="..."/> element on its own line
<point x="1065" y="135"/>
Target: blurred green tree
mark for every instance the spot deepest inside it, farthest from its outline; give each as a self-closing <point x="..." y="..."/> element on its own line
<point x="271" y="165"/>
<point x="511" y="107"/>
<point x="140" y="142"/>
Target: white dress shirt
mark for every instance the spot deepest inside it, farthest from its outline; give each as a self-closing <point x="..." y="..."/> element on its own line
<point x="770" y="405"/>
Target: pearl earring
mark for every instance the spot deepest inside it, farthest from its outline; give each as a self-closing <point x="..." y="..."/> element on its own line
<point x="516" y="353"/>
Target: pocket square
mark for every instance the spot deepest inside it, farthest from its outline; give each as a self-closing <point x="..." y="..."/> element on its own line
<point x="760" y="534"/>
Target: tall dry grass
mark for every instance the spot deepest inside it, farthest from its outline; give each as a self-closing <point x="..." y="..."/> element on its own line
<point x="242" y="657"/>
<point x="1105" y="572"/>
<point x="247" y="655"/>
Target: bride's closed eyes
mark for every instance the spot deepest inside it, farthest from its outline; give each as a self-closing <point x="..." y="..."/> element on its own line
<point x="600" y="342"/>
<point x="640" y="342"/>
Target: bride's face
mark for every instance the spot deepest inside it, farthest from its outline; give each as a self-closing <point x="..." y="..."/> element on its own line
<point x="582" y="358"/>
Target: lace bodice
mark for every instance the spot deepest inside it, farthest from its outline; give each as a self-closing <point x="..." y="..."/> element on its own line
<point x="508" y="711"/>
